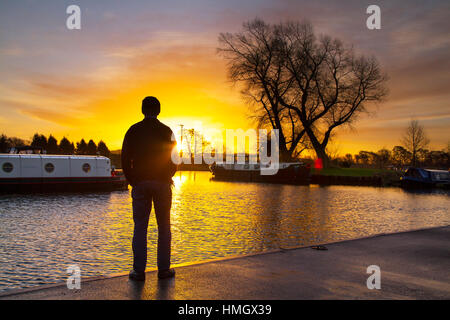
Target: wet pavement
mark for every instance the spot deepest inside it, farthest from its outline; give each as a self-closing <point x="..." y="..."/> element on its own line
<point x="413" y="265"/>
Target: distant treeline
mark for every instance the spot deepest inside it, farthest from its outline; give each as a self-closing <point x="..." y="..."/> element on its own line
<point x="398" y="157"/>
<point x="412" y="152"/>
<point x="52" y="146"/>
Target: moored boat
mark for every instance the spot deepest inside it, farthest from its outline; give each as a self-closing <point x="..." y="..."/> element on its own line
<point x="425" y="178"/>
<point x="58" y="173"/>
<point x="289" y="173"/>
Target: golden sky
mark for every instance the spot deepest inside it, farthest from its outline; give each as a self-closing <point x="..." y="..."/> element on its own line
<point x="89" y="83"/>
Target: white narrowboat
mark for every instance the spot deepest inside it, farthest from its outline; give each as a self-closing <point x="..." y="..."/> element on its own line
<point x="56" y="173"/>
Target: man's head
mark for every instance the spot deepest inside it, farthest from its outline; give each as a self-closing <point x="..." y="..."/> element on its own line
<point x="150" y="107"/>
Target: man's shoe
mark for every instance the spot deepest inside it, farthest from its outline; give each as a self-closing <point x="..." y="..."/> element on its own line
<point x="164" y="274"/>
<point x="137" y="276"/>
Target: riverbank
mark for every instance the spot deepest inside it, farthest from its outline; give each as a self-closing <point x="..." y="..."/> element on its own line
<point x="414" y="265"/>
<point x="356" y="177"/>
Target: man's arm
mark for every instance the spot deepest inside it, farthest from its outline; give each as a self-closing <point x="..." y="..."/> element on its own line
<point x="172" y="167"/>
<point x="127" y="157"/>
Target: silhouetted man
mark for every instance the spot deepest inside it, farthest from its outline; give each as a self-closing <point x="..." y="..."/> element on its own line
<point x="147" y="165"/>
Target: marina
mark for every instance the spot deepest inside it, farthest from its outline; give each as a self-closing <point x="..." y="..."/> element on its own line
<point x="224" y="150"/>
<point x="42" y="234"/>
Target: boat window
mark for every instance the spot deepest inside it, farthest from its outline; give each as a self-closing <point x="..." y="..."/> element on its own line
<point x="86" y="167"/>
<point x="440" y="176"/>
<point x="8" y="167"/>
<point x="246" y="166"/>
<point x="49" y="167"/>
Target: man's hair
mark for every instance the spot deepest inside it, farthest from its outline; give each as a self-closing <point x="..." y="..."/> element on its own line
<point x="151" y="106"/>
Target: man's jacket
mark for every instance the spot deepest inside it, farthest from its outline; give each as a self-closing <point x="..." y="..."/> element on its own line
<point x="146" y="152"/>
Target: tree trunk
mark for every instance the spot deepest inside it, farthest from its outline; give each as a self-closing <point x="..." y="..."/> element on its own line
<point x="320" y="152"/>
<point x="285" y="155"/>
<point x="318" y="148"/>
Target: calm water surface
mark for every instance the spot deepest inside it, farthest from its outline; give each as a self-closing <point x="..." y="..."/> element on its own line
<point x="41" y="235"/>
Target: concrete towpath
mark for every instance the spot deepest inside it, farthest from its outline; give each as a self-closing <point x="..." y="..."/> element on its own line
<point x="414" y="265"/>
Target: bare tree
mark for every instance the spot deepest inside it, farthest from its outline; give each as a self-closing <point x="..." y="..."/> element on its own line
<point x="302" y="85"/>
<point x="254" y="61"/>
<point x="415" y="140"/>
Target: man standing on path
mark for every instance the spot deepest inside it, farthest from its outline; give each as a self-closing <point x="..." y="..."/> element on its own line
<point x="148" y="167"/>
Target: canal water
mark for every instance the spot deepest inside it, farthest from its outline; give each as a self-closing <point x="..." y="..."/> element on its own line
<point x="41" y="235"/>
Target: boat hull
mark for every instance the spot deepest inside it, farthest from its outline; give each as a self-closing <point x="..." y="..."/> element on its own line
<point x="290" y="175"/>
<point x="66" y="184"/>
<point x="414" y="184"/>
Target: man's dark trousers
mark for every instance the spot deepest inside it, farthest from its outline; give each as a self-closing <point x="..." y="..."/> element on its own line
<point x="143" y="194"/>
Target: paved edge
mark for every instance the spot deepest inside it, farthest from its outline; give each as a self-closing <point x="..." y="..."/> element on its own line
<point x="214" y="260"/>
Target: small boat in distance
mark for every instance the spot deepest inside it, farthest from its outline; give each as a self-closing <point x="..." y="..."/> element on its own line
<point x="425" y="178"/>
<point x="25" y="173"/>
<point x="288" y="173"/>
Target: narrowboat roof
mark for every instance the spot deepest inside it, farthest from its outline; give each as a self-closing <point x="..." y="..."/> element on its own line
<point x="436" y="170"/>
<point x="53" y="156"/>
<point x="423" y="170"/>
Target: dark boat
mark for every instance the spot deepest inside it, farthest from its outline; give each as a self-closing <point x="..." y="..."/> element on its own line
<point x="288" y="173"/>
<point x="24" y="173"/>
<point x="425" y="178"/>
